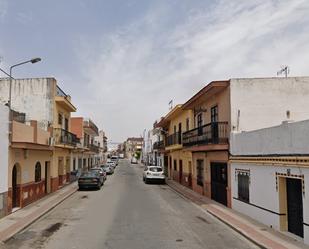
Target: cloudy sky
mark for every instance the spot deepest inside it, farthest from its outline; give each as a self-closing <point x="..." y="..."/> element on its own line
<point x="122" y="61"/>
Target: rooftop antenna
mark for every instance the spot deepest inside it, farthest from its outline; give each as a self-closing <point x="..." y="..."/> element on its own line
<point x="284" y="70"/>
<point x="170" y="104"/>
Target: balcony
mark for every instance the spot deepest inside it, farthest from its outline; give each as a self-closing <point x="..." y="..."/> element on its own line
<point x="158" y="145"/>
<point x="64" y="100"/>
<point x="212" y="133"/>
<point x="65" y="137"/>
<point x="173" y="139"/>
<point x="90" y="127"/>
<point x="94" y="148"/>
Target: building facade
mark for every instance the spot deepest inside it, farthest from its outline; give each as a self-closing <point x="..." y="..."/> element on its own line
<point x="4" y="159"/>
<point x="178" y="160"/>
<point x="270" y="175"/>
<point x="85" y="155"/>
<point x="41" y="99"/>
<point x="218" y="109"/>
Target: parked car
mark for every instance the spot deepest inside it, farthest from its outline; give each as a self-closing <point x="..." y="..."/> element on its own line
<point x="90" y="179"/>
<point x="115" y="159"/>
<point x="112" y="164"/>
<point x="133" y="160"/>
<point x="153" y="174"/>
<point x="101" y="172"/>
<point x="108" y="169"/>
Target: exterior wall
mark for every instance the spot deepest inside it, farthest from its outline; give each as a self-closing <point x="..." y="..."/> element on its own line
<point x="222" y="100"/>
<point x="77" y="126"/>
<point x="286" y="139"/>
<point x="29" y="190"/>
<point x="37" y="93"/>
<point x="264" y="102"/>
<point x="181" y="118"/>
<point x="4" y="160"/>
<point x="186" y="158"/>
<point x="263" y="180"/>
<point x="208" y="158"/>
<point x="60" y="169"/>
<point x="65" y="114"/>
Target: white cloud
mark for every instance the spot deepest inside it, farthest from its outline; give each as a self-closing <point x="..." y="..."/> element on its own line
<point x="136" y="70"/>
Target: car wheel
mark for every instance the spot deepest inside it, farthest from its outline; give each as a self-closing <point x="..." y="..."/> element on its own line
<point x="146" y="181"/>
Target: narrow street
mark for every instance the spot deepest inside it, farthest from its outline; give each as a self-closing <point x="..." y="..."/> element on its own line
<point x="128" y="214"/>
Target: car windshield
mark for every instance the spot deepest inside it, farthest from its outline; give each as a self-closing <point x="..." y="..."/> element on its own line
<point x="155" y="169"/>
<point x="88" y="174"/>
<point x="96" y="170"/>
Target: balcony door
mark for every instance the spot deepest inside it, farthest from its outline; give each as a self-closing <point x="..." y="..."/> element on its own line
<point x="214" y="124"/>
<point x="179" y="133"/>
<point x="199" y="124"/>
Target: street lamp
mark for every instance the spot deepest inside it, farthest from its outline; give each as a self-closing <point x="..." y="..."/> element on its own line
<point x="34" y="60"/>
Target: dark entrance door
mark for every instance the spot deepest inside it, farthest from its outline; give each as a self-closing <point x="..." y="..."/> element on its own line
<point x="219" y="182"/>
<point x="14" y="188"/>
<point x="295" y="206"/>
<point x="180" y="171"/>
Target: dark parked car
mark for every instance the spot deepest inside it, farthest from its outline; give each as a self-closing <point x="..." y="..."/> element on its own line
<point x="101" y="172"/>
<point x="90" y="179"/>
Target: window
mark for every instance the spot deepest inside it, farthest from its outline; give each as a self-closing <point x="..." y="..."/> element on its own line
<point x="243" y="186"/>
<point x="187" y="124"/>
<point x="200" y="172"/>
<point x="59" y="118"/>
<point x="175" y="165"/>
<point x="214" y="114"/>
<point x="37" y="172"/>
<point x="199" y="124"/>
<point x="66" y="124"/>
<point x="199" y="120"/>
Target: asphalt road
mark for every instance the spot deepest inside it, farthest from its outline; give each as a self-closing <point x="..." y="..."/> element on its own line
<point x="128" y="214"/>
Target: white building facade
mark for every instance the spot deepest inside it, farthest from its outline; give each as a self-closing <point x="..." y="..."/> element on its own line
<point x="4" y="160"/>
<point x="270" y="176"/>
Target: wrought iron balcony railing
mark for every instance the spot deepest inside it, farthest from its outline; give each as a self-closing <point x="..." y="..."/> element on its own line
<point x="65" y="137"/>
<point x="212" y="133"/>
<point x="174" y="139"/>
<point x="158" y="145"/>
<point x="94" y="148"/>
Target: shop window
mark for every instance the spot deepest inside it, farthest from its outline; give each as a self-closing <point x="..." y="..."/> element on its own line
<point x="200" y="172"/>
<point x="37" y="172"/>
<point x="243" y="186"/>
<point x="175" y="165"/>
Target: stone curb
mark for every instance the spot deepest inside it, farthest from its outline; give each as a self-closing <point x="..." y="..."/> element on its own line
<point x="25" y="222"/>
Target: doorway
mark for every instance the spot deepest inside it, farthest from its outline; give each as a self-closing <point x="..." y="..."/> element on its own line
<point x="295" y="206"/>
<point x="180" y="171"/>
<point x="15" y="186"/>
<point x="47" y="177"/>
<point x="219" y="182"/>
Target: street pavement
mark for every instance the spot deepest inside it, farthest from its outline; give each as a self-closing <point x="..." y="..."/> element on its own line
<point x="128" y="214"/>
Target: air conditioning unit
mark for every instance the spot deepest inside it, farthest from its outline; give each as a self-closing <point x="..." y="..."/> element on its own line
<point x="51" y="141"/>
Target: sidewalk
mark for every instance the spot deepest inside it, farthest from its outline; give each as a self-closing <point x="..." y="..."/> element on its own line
<point x="17" y="221"/>
<point x="256" y="232"/>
